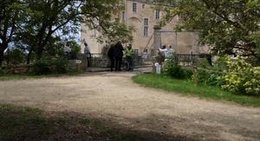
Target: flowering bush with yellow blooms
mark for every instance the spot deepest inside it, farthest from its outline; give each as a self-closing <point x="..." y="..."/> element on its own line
<point x="241" y="77"/>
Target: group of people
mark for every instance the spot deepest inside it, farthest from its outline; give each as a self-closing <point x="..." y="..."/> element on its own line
<point x="165" y="52"/>
<point x="115" y="54"/>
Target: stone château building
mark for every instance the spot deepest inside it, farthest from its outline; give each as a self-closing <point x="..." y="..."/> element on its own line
<point x="142" y="15"/>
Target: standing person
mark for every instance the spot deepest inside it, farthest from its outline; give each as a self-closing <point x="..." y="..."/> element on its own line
<point x="145" y="55"/>
<point x="170" y="52"/>
<point x="162" y="52"/>
<point x="129" y="53"/>
<point x="111" y="56"/>
<point x="87" y="53"/>
<point x="118" y="52"/>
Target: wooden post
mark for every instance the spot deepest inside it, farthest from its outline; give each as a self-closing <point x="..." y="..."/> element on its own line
<point x="84" y="62"/>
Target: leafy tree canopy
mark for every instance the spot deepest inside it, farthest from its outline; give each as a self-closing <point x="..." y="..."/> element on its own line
<point x="35" y="25"/>
<point x="228" y="26"/>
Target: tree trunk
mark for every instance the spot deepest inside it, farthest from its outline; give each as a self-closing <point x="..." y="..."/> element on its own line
<point x="28" y="59"/>
<point x="39" y="47"/>
<point x="1" y="57"/>
<point x="2" y="49"/>
<point x="257" y="60"/>
<point x="39" y="52"/>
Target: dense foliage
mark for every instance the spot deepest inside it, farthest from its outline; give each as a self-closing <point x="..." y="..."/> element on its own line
<point x="38" y="27"/>
<point x="235" y="75"/>
<point x="232" y="74"/>
<point x="174" y="70"/>
<point x="228" y="26"/>
<point x="241" y="77"/>
<point x="208" y="74"/>
<point x="50" y="66"/>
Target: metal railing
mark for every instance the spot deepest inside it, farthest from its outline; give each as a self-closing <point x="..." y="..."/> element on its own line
<point x="187" y="59"/>
<point x="99" y="60"/>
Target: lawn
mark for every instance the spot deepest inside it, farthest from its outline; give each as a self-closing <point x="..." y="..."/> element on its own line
<point x="187" y="88"/>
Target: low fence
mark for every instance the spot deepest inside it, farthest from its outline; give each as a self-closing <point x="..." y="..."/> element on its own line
<point x="187" y="59"/>
<point x="99" y="60"/>
<point x="102" y="61"/>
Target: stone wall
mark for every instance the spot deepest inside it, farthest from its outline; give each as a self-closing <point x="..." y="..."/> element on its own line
<point x="183" y="42"/>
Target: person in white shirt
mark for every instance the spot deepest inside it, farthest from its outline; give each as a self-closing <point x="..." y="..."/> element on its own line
<point x="145" y="55"/>
<point x="161" y="53"/>
<point x="163" y="50"/>
<point x="169" y="53"/>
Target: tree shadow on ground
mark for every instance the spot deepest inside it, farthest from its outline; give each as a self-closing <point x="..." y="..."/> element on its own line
<point x="29" y="124"/>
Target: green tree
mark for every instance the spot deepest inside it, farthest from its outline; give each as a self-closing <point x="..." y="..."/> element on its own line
<point x="46" y="19"/>
<point x="16" y="57"/>
<point x="103" y="17"/>
<point x="228" y="26"/>
<point x="41" y="23"/>
<point x="54" y="18"/>
<point x="10" y="21"/>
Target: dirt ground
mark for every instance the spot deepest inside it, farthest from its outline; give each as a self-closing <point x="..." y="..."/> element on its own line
<point x="115" y="98"/>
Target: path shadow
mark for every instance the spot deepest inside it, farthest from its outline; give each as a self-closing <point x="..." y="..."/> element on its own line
<point x="19" y="123"/>
<point x="29" y="124"/>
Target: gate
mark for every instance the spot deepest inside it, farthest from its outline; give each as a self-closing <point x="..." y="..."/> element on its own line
<point x="100" y="62"/>
<point x="184" y="43"/>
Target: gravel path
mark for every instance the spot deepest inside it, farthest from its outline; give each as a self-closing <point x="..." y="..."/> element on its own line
<point x="114" y="97"/>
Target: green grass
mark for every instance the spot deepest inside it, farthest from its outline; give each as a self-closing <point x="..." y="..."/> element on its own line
<point x="187" y="88"/>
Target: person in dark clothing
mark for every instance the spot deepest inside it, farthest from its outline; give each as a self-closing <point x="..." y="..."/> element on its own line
<point x="129" y="54"/>
<point x="87" y="53"/>
<point x="118" y="52"/>
<point x="111" y="56"/>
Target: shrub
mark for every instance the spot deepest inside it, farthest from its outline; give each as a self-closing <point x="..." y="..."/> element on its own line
<point x="241" y="77"/>
<point x="75" y="49"/>
<point x="14" y="57"/>
<point x="60" y="65"/>
<point x="1" y="72"/>
<point x="203" y="75"/>
<point x="50" y="65"/>
<point x="208" y="74"/>
<point x="253" y="85"/>
<point x="174" y="70"/>
<point x="42" y="67"/>
<point x="188" y="73"/>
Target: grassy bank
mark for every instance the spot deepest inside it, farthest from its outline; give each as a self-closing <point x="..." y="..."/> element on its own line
<point x="187" y="88"/>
